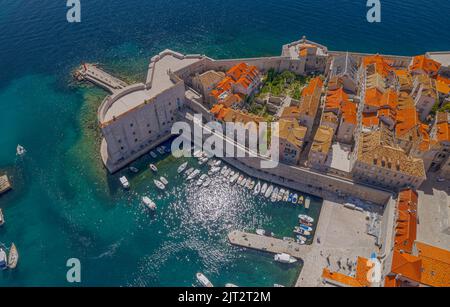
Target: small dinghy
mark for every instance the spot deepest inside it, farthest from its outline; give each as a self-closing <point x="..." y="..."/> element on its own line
<point x="204" y="281"/>
<point x="301" y="231"/>
<point x="182" y="167"/>
<point x="124" y="182"/>
<point x="153" y="168"/>
<point x="194" y="174"/>
<point x="285" y="258"/>
<point x="306" y="227"/>
<point x="159" y="184"/>
<point x="2" y="218"/>
<point x="274" y="195"/>
<point x="13" y="257"/>
<point x="300" y="200"/>
<point x="20" y="150"/>
<point x="257" y="189"/>
<point x="223" y="170"/>
<point x="241" y="177"/>
<point x="264" y="189"/>
<point x="294" y="199"/>
<point x="306" y="218"/>
<point x="149" y="203"/>
<point x="269" y="191"/>
<point x="164" y="180"/>
<point x="189" y="171"/>
<point x="217" y="163"/>
<point x="290" y="197"/>
<point x="133" y="169"/>
<point x="153" y="155"/>
<point x="252" y="184"/>
<point x="3" y="260"/>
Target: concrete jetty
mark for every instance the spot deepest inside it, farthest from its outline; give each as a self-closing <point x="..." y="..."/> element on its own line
<point x="5" y="185"/>
<point x="268" y="244"/>
<point x="94" y="74"/>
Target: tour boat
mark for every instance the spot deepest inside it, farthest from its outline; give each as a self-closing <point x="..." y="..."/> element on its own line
<point x="182" y="167"/>
<point x="2" y="218"/>
<point x="164" y="180"/>
<point x="124" y="182"/>
<point x="160" y="150"/>
<point x="234" y="178"/>
<point x="153" y="167"/>
<point x="207" y="182"/>
<point x="153" y="155"/>
<point x="228" y="285"/>
<point x="307" y="202"/>
<point x="301" y="231"/>
<point x="241" y="177"/>
<point x="285" y="258"/>
<point x="149" y="203"/>
<point x="133" y="169"/>
<point x="300" y="200"/>
<point x="264" y="189"/>
<point x="269" y="191"/>
<point x="286" y="195"/>
<point x="159" y="184"/>
<point x="257" y="189"/>
<point x="13" y="257"/>
<point x="281" y="195"/>
<point x="3" y="260"/>
<point x="193" y="174"/>
<point x="274" y="195"/>
<point x="20" y="150"/>
<point x="306" y="227"/>
<point x="204" y="281"/>
<point x="294" y="198"/>
<point x="307" y="218"/>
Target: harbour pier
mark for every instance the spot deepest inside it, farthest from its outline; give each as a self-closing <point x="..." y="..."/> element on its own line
<point x="268" y="244"/>
<point x="99" y="77"/>
<point x="5" y="185"/>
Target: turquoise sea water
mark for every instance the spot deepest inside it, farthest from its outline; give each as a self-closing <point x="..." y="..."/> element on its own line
<point x="64" y="204"/>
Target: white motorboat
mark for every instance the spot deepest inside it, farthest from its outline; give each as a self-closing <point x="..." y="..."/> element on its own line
<point x="223" y="170"/>
<point x="149" y="203"/>
<point x="264" y="189"/>
<point x="257" y="189"/>
<point x="201" y="179"/>
<point x="251" y="185"/>
<point x="227" y="173"/>
<point x="301" y="231"/>
<point x="217" y="163"/>
<point x="306" y="227"/>
<point x="214" y="170"/>
<point x="153" y="168"/>
<point x="228" y="285"/>
<point x="307" y="202"/>
<point x="285" y="258"/>
<point x="182" y="167"/>
<point x="243" y="182"/>
<point x="13" y="257"/>
<point x="197" y="153"/>
<point x="301" y="242"/>
<point x="241" y="177"/>
<point x="3" y="260"/>
<point x="164" y="180"/>
<point x="133" y="169"/>
<point x="294" y="198"/>
<point x="302" y="238"/>
<point x="189" y="171"/>
<point x="207" y="182"/>
<point x="194" y="174"/>
<point x="202" y="161"/>
<point x="20" y="150"/>
<point x="286" y="195"/>
<point x="204" y="281"/>
<point x="153" y="155"/>
<point x="281" y="195"/>
<point x="159" y="184"/>
<point x="269" y="191"/>
<point x="2" y="218"/>
<point x="234" y="178"/>
<point x="306" y="218"/>
<point x="274" y="195"/>
<point x="124" y="182"/>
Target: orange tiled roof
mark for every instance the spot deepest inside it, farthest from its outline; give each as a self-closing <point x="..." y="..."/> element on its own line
<point x="407" y="119"/>
<point x="435" y="265"/>
<point x="370" y="120"/>
<point x="421" y="62"/>
<point x="349" y="112"/>
<point x="373" y="97"/>
<point x="311" y="97"/>
<point x="360" y="279"/>
<point x="443" y="87"/>
<point x="405" y="231"/>
<point x="406" y="265"/>
<point x="443" y="79"/>
<point x="382" y="66"/>
<point x="335" y="99"/>
<point x="389" y="99"/>
<point x="443" y="132"/>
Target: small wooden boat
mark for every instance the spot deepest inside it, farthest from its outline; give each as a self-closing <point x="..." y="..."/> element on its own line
<point x="153" y="168"/>
<point x="133" y="169"/>
<point x="164" y="180"/>
<point x="204" y="281"/>
<point x="13" y="257"/>
<point x="2" y="218"/>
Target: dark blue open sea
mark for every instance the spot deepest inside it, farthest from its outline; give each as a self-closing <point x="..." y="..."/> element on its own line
<point x="64" y="205"/>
